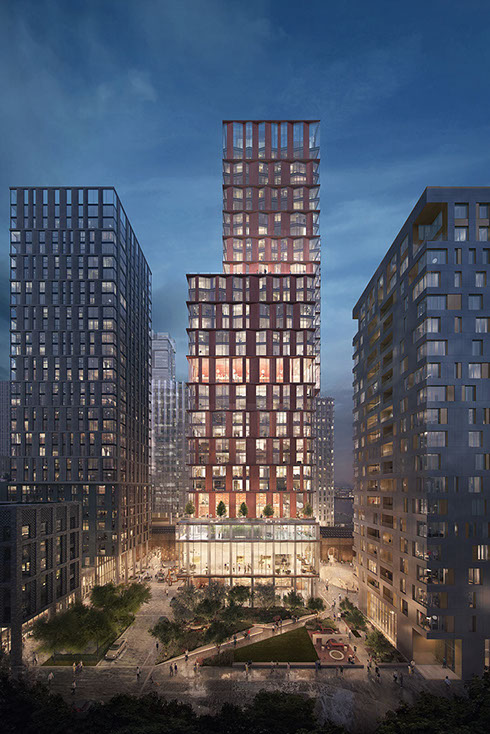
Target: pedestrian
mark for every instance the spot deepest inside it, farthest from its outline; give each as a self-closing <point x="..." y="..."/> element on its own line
<point x="288" y="668"/>
<point x="447" y="682"/>
<point x="234" y="640"/>
<point x="195" y="667"/>
<point x="378" y="676"/>
<point x="73" y="688"/>
<point x="74" y="666"/>
<point x="410" y="669"/>
<point x="369" y="664"/>
<point x="444" y="662"/>
<point x="246" y="669"/>
<point x="333" y="604"/>
<point x="401" y="680"/>
<point x="376" y="670"/>
<point x="341" y="670"/>
<point x="138" y="672"/>
<point x="50" y="678"/>
<point x="395" y="677"/>
<point x="35" y="659"/>
<point x="175" y="669"/>
<point x="171" y="670"/>
<point x="186" y="656"/>
<point x="157" y="645"/>
<point x="349" y="635"/>
<point x="355" y="648"/>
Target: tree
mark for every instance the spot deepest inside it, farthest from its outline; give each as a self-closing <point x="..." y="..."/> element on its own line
<point x="243" y="511"/>
<point x="275" y="711"/>
<point x="185" y="603"/>
<point x="50" y="633"/>
<point x="167" y="631"/>
<point x="239" y="594"/>
<point x="308" y="510"/>
<point x="293" y="600"/>
<point x="189" y="509"/>
<point x="217" y="632"/>
<point x="378" y="644"/>
<point x="265" y="595"/>
<point x="99" y="625"/>
<point x="316" y="604"/>
<point x="268" y="510"/>
<point x="221" y="509"/>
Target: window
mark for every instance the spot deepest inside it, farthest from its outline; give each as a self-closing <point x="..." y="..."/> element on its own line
<point x="483" y="211"/>
<point x="474" y="439"/>
<point x="483" y="234"/>
<point x="475" y="303"/>
<point x="480" y="280"/>
<point x="461" y="211"/>
<point x="460" y="234"/>
<point x="481" y="326"/>
<point x="477" y="347"/>
<point x="458" y="279"/>
<point x="474" y="576"/>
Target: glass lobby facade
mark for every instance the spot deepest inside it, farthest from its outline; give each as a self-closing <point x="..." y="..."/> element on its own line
<point x="283" y="552"/>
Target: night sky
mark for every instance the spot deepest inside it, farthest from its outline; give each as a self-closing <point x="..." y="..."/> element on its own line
<point x="131" y="93"/>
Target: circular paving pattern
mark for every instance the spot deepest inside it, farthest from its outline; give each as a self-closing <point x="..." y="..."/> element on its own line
<point x="336" y="654"/>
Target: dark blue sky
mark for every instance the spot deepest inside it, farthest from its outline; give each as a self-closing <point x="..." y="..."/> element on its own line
<point x="131" y="93"/>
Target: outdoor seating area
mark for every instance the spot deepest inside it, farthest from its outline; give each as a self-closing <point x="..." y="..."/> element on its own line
<point x="333" y="650"/>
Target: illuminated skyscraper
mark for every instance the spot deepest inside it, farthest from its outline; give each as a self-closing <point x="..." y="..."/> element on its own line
<point x="254" y="365"/>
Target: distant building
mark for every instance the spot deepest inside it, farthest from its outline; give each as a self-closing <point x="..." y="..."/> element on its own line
<point x="162" y="357"/>
<point x="323" y="471"/>
<point x="169" y="470"/>
<point x="4" y="428"/>
<point x="40" y="565"/>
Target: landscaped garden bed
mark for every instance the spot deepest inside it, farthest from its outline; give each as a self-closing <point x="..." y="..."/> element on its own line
<point x="84" y="632"/>
<point x="215" y="613"/>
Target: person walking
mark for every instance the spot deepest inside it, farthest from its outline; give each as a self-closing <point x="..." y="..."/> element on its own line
<point x="138" y="672"/>
<point x="50" y="678"/>
<point x="186" y="656"/>
<point x="234" y="640"/>
<point x="341" y="669"/>
<point x="157" y="645"/>
<point x="447" y="682"/>
<point x="74" y="666"/>
<point x="73" y="687"/>
<point x="171" y="670"/>
<point x="288" y="668"/>
<point x="395" y="677"/>
<point x="175" y="669"/>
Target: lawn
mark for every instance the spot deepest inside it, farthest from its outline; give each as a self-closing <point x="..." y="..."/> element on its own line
<point x="293" y="647"/>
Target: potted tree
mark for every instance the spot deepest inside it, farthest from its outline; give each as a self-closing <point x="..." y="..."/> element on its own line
<point x="221" y="509"/>
<point x="308" y="510"/>
<point x="189" y="509"/>
<point x="268" y="511"/>
<point x="243" y="511"/>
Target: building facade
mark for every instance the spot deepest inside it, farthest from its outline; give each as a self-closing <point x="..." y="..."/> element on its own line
<point x="422" y="434"/>
<point x="80" y="368"/>
<point x="40" y="566"/>
<point x="4" y="429"/>
<point x="323" y="471"/>
<point x="254" y="360"/>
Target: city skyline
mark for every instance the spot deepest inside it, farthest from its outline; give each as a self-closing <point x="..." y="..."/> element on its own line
<point x="389" y="129"/>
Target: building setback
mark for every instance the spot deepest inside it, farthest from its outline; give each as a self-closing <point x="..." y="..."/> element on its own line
<point x="422" y="434"/>
<point x="323" y="472"/>
<point x="80" y="380"/>
<point x="254" y="364"/>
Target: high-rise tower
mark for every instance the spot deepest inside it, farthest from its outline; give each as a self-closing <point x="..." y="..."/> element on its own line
<point x="80" y="368"/>
<point x="422" y="434"/>
<point x="254" y="364"/>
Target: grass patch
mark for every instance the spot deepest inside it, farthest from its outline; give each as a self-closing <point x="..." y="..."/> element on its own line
<point x="293" y="647"/>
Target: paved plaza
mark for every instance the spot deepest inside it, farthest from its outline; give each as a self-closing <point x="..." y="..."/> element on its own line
<point x="353" y="697"/>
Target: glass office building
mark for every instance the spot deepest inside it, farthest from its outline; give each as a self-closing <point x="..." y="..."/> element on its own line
<point x="323" y="472"/>
<point x="254" y="361"/>
<point x="422" y="434"/>
<point x="80" y="368"/>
